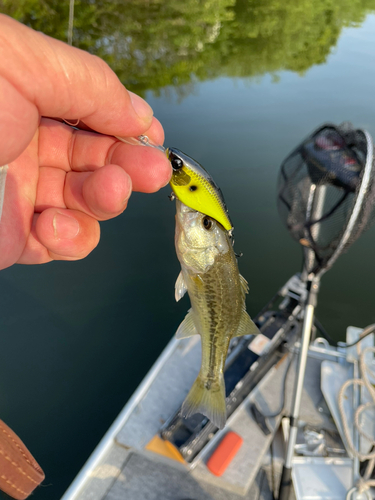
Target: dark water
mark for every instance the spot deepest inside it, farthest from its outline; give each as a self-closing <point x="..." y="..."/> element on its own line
<point x="236" y="85"/>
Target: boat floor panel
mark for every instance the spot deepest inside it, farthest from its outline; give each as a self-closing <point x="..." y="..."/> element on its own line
<point x="314" y="410"/>
<point x="134" y="474"/>
<point x="143" y="478"/>
<point x="164" y="395"/>
<point x="244" y="467"/>
<point x="104" y="475"/>
<point x="268" y="398"/>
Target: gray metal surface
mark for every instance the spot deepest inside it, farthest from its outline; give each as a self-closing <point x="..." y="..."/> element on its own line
<point x="267" y="396"/>
<point x="312" y="405"/>
<point x="352" y="335"/>
<point x="319" y="478"/>
<point x="146" y="479"/>
<point x="164" y="395"/>
<point x="108" y="441"/>
<point x="333" y="378"/>
<point x="104" y="475"/>
<point x="124" y="470"/>
<point x="245" y="465"/>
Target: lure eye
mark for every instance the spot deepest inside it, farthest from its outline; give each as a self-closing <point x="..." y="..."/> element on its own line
<point x="193" y="188"/>
<point x="177" y="163"/>
<point x="207" y="223"/>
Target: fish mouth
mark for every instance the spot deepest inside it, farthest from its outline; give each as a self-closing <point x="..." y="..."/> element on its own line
<point x="181" y="207"/>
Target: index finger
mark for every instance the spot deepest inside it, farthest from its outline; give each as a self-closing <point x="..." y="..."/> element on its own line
<point x="43" y="76"/>
<point x="64" y="147"/>
<point x="67" y="149"/>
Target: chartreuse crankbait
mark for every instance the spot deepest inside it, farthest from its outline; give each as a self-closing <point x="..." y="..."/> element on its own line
<point x="191" y="183"/>
<point x="196" y="189"/>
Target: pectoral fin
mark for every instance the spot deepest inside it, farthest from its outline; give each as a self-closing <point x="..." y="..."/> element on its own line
<point x="180" y="287"/>
<point x="187" y="327"/>
<point x="244" y="284"/>
<point x="246" y="326"/>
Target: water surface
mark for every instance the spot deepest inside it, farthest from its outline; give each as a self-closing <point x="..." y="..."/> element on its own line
<point x="236" y="85"/>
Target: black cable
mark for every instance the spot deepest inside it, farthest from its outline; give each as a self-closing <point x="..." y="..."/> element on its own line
<point x="276" y="414"/>
<point x="264" y="475"/>
<point x="365" y="333"/>
<point x="324" y="332"/>
<point x="273" y="415"/>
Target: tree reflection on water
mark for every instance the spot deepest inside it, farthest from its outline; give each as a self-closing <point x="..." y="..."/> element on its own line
<point x="154" y="44"/>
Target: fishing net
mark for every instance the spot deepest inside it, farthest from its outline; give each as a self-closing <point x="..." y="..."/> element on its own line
<point x="326" y="192"/>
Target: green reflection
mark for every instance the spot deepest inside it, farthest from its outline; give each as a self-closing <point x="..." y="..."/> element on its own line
<point x="152" y="44"/>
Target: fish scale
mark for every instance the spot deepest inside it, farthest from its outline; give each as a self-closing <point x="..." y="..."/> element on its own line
<point x="217" y="308"/>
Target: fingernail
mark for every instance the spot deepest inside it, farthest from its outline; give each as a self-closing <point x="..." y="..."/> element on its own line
<point x="143" y="110"/>
<point x="130" y="189"/>
<point x="166" y="181"/>
<point x="65" y="227"/>
<point x="126" y="199"/>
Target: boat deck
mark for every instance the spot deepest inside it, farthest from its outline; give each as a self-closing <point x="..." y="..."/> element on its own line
<point x="136" y="476"/>
<point x="122" y="468"/>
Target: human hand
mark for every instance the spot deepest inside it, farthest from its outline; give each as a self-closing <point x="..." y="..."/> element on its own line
<point x="61" y="181"/>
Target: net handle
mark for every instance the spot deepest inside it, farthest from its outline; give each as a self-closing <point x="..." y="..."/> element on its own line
<point x="357" y="207"/>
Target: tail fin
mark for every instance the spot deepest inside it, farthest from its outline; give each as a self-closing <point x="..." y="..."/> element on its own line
<point x="208" y="399"/>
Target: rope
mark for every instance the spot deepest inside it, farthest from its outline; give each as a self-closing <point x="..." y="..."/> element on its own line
<point x="364" y="483"/>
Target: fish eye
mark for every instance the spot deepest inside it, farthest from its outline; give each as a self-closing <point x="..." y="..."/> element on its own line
<point x="193" y="188"/>
<point x="177" y="163"/>
<point x="207" y="223"/>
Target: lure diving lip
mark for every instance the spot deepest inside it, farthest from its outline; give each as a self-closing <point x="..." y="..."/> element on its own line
<point x="195" y="188"/>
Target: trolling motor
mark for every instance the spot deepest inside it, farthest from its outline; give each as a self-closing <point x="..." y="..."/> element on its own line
<point x="326" y="198"/>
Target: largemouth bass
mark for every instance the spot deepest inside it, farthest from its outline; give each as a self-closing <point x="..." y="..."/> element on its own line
<point x="209" y="273"/>
<point x="194" y="186"/>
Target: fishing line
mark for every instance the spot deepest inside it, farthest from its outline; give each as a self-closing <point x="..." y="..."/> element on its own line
<point x="141" y="140"/>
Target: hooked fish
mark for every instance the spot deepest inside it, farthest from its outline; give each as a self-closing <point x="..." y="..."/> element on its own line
<point x="194" y="186"/>
<point x="210" y="275"/>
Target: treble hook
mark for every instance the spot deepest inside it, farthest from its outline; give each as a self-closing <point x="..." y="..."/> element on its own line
<point x="230" y="234"/>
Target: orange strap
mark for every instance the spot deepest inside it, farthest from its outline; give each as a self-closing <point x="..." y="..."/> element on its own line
<point x="20" y="474"/>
